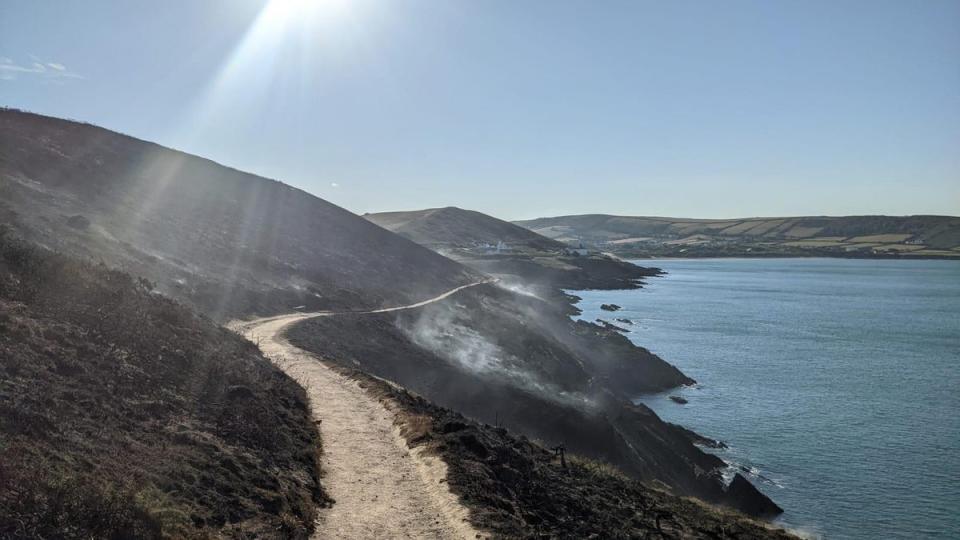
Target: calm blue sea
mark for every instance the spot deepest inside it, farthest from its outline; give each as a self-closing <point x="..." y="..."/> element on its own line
<point x="835" y="382"/>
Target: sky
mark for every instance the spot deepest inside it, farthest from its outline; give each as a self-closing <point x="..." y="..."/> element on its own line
<point x="523" y="109"/>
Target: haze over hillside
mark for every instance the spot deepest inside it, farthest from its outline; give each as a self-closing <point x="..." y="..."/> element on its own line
<point x="856" y="236"/>
<point x="511" y="252"/>
<point x="277" y="277"/>
<point x="226" y="241"/>
<point x="455" y="227"/>
<point x="237" y="245"/>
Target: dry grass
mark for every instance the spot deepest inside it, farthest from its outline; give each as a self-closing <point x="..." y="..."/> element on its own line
<point x="813" y="243"/>
<point x="802" y="232"/>
<point x="880" y="238"/>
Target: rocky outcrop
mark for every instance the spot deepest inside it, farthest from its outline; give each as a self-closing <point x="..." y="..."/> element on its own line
<point x="748" y="498"/>
<point x="699" y="439"/>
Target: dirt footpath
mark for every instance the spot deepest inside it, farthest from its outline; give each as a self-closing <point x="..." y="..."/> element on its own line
<point x="381" y="488"/>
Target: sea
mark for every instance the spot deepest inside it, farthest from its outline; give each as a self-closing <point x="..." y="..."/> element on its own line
<point x="835" y="383"/>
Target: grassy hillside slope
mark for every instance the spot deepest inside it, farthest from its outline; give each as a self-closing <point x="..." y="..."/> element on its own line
<point x="851" y="236"/>
<point x="226" y="241"/>
<point x="124" y="415"/>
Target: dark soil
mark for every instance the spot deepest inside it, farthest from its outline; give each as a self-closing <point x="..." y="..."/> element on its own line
<point x="517" y="488"/>
<point x="124" y="415"/>
<point x="510" y="360"/>
<point x="228" y="243"/>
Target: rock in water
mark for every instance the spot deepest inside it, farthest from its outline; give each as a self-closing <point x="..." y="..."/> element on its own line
<point x="610" y="326"/>
<point x="678" y="399"/>
<point x="750" y="500"/>
<point x="610" y="307"/>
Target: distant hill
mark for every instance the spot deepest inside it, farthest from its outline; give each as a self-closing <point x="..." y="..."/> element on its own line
<point x="226" y="241"/>
<point x="455" y="227"/>
<point x="909" y="236"/>
<point x="511" y="252"/>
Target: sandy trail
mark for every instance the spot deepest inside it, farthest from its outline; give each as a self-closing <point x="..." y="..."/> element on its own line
<point x="382" y="489"/>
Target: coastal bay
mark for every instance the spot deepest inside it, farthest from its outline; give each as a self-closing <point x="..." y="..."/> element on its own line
<point x="832" y="382"/>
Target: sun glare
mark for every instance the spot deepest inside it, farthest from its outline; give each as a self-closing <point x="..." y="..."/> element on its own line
<point x="305" y="9"/>
<point x="280" y="57"/>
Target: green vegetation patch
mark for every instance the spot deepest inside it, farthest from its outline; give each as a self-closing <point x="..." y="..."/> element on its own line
<point x="802" y="232"/>
<point x="813" y="243"/>
<point x="881" y="238"/>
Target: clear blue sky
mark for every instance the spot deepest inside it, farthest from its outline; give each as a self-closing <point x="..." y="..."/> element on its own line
<point x="523" y="108"/>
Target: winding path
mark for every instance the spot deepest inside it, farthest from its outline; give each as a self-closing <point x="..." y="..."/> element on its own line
<point x="382" y="488"/>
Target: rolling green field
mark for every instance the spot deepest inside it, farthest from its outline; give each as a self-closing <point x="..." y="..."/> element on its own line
<point x="850" y="236"/>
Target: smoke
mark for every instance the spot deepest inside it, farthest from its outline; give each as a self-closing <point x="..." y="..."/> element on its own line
<point x="441" y="335"/>
<point x="518" y="288"/>
<point x="443" y="332"/>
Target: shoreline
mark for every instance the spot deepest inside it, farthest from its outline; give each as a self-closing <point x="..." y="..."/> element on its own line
<point x="746" y="372"/>
<point x="716" y="447"/>
<point x="788" y="256"/>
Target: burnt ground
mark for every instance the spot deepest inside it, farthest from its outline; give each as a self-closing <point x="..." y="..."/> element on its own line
<point x="511" y="360"/>
<point x="125" y="415"/>
<point x="518" y="488"/>
<point x="228" y="243"/>
<point x="233" y="244"/>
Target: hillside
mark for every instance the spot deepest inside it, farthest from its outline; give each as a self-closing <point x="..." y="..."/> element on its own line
<point x="453" y="227"/>
<point x="124" y="415"/>
<point x="850" y="236"/>
<point x="513" y="253"/>
<point x="519" y="362"/>
<point x="234" y="245"/>
<point x="222" y="240"/>
<point x="518" y="488"/>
